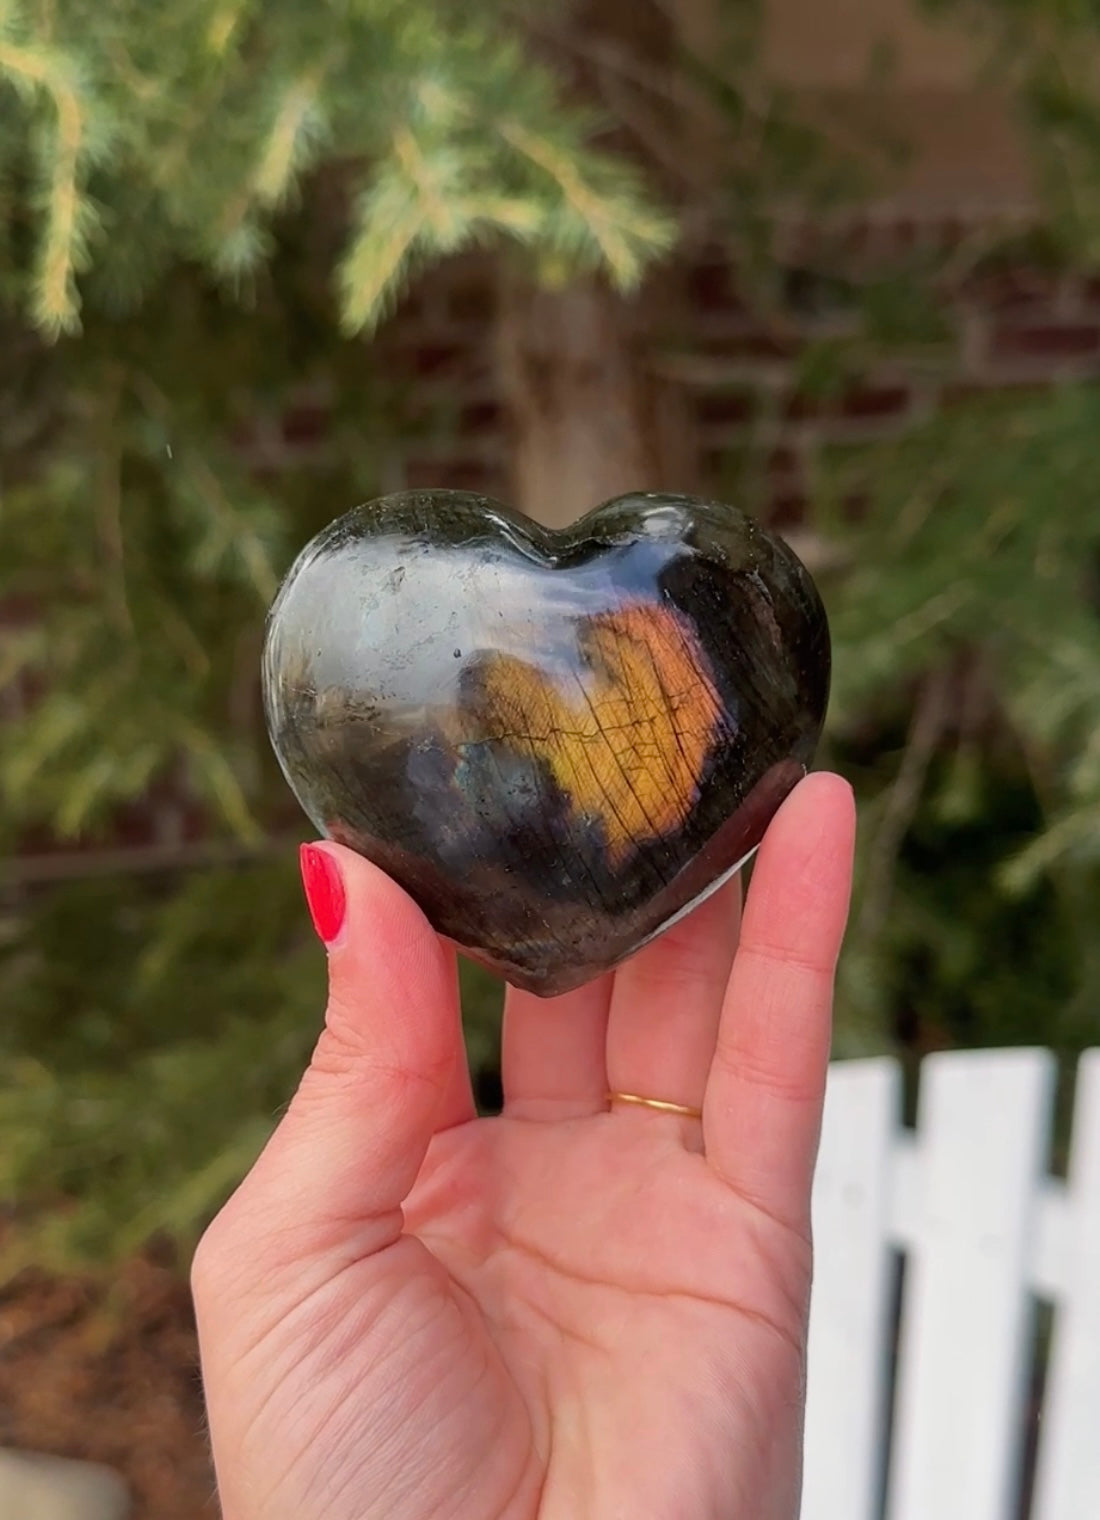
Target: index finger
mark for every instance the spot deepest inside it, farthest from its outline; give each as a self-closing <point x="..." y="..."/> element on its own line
<point x="762" y="1114"/>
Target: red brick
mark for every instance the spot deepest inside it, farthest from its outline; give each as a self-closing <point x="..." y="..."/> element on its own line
<point x="1049" y="340"/>
<point x="731" y="408"/>
<point x="900" y="235"/>
<point x="711" y="286"/>
<point x="786" y="509"/>
<point x="752" y="345"/>
<point x="435" y="358"/>
<point x="134" y="824"/>
<point x="1019" y="288"/>
<point x="455" y="474"/>
<point x="866" y="402"/>
<point x="194" y="821"/>
<point x="859" y="404"/>
<point x="783" y="460"/>
<point x="961" y="394"/>
<point x="480" y="417"/>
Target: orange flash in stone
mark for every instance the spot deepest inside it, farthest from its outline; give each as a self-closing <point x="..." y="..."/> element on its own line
<point x="627" y="746"/>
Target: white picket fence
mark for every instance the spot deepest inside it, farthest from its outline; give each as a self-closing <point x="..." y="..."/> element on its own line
<point x="985" y="1233"/>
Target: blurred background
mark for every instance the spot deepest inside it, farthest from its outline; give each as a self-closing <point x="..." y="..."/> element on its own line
<point x="837" y="263"/>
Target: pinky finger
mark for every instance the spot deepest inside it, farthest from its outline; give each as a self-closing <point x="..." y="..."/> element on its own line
<point x="762" y="1115"/>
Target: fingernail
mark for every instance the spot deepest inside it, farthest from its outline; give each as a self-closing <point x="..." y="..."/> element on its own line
<point x="324" y="889"/>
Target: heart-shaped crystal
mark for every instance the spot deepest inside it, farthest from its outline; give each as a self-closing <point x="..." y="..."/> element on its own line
<point x="556" y="742"/>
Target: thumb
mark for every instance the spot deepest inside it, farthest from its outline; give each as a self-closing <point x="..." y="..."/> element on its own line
<point x="388" y="1071"/>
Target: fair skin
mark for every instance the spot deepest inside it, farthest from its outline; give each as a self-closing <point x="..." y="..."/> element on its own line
<point x="409" y="1313"/>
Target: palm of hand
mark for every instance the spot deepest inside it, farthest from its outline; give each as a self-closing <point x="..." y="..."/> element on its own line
<point x="562" y="1311"/>
<point x="631" y="1309"/>
<point x="573" y="1308"/>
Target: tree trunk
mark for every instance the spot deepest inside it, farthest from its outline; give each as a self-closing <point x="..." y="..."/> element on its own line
<point x="581" y="409"/>
<point x="589" y="419"/>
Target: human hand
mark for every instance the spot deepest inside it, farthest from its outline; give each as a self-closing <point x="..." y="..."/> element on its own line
<point x="408" y="1312"/>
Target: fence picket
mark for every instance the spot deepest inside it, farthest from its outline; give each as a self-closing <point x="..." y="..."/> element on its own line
<point x="982" y="1142"/>
<point x="844" y="1425"/>
<point x="1068" y="1478"/>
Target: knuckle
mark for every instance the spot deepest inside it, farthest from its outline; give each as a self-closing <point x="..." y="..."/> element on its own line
<point x="356" y="1052"/>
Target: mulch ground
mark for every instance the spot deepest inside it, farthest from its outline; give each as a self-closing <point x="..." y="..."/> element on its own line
<point x="108" y="1372"/>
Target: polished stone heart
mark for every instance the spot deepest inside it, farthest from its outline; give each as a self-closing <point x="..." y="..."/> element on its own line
<point x="557" y="742"/>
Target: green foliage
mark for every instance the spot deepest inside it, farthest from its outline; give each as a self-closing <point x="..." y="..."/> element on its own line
<point x="156" y="1028"/>
<point x="224" y="193"/>
<point x="133" y="137"/>
<point x="970" y="600"/>
<point x="157" y="1012"/>
<point x="133" y="1082"/>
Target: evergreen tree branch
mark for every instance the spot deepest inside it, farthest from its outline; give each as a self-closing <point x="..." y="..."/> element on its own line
<point x="293" y="135"/>
<point x="624" y="235"/>
<point x="109" y="507"/>
<point x="391" y="224"/>
<point x="1073" y="836"/>
<point x="221" y="782"/>
<point x="233" y="529"/>
<point x="64" y="246"/>
<point x="208" y="138"/>
<point x="440" y="212"/>
<point x="902" y="802"/>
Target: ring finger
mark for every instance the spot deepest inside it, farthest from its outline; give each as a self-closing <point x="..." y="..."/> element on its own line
<point x="553" y="1052"/>
<point x="666" y="1004"/>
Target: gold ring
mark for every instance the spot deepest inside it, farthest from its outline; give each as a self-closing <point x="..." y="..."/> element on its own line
<point x="658" y="1103"/>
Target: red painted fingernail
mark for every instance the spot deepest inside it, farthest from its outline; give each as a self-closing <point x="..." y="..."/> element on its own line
<point x="324" y="888"/>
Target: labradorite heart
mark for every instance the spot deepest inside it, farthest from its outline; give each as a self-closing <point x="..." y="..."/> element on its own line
<point x="557" y="742"/>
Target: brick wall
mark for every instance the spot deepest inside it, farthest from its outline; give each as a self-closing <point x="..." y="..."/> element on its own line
<point x="734" y="377"/>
